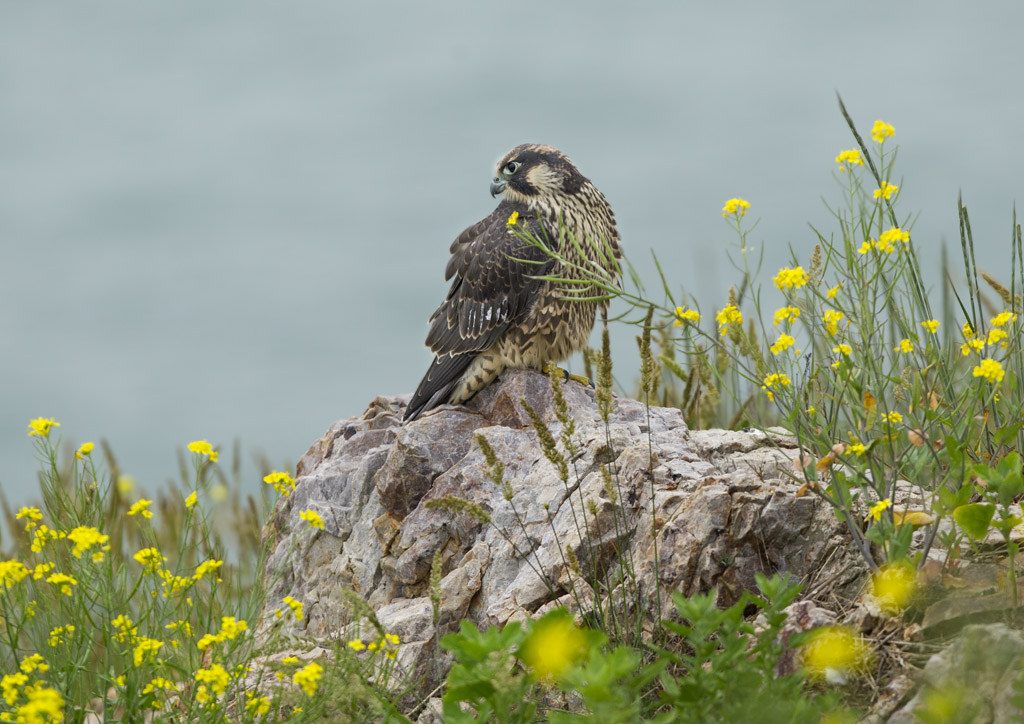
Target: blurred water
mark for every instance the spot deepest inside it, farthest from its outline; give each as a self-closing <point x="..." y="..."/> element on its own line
<point x="230" y="220"/>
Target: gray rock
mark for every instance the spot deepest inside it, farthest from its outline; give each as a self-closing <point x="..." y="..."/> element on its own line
<point x="690" y="510"/>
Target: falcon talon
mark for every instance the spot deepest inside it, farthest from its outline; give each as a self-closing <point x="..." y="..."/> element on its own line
<point x="498" y="314"/>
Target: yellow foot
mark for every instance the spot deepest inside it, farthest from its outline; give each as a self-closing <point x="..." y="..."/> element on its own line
<point x="577" y="378"/>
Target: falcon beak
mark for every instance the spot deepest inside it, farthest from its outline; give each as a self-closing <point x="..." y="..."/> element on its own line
<point x="497" y="186"/>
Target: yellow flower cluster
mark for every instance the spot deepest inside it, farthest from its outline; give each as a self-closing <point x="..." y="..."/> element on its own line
<point x="881" y="131"/>
<point x="733" y="206"/>
<point x="295" y="606"/>
<point x="932" y="325"/>
<point x="790" y="278"/>
<point x="878" y="508"/>
<point x="308" y="677"/>
<point x="31" y="703"/>
<point x="513" y="219"/>
<point x="904" y="347"/>
<point x="283" y="483"/>
<point x="41" y="426"/>
<point x="553" y="646"/>
<point x="831" y="294"/>
<point x="686" y="315"/>
<point x="213" y="682"/>
<point x="202" y="447"/>
<point x="893" y="418"/>
<point x="86" y="537"/>
<point x="62" y="581"/>
<point x="783" y="343"/>
<point x="785" y="314"/>
<point x="150" y="559"/>
<point x="31" y="516"/>
<point x="849" y="158"/>
<point x="990" y="369"/>
<point x="832" y="318"/>
<point x="141" y="507"/>
<point x="84" y="450"/>
<point x="145" y="650"/>
<point x="58" y="634"/>
<point x="833" y="651"/>
<point x="313" y="518"/>
<point x="729" y="315"/>
<point x="205" y="567"/>
<point x="887" y="191"/>
<point x="229" y="629"/>
<point x="775" y="380"/>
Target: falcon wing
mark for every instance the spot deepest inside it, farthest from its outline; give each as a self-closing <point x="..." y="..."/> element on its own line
<point x="492" y="289"/>
<point x="493" y="283"/>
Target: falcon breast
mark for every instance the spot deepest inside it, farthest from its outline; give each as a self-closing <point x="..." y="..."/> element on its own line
<point x="498" y="313"/>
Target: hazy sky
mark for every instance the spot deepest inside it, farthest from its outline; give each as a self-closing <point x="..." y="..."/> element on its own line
<point x="231" y="220"/>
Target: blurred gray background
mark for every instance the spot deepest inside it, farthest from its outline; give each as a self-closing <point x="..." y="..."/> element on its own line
<point x="230" y="220"/>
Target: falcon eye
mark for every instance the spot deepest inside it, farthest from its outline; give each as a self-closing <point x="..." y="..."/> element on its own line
<point x="511" y="167"/>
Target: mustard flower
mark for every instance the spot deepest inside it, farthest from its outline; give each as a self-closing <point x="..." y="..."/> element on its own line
<point x="33" y="663"/>
<point x="44" y="706"/>
<point x="84" y="538"/>
<point x="971" y="345"/>
<point x="127" y="631"/>
<point x="878" y="508"/>
<point x="141" y="508"/>
<point x="893" y="418"/>
<point x="190" y="501"/>
<point x="296" y="607"/>
<point x="785" y="314"/>
<point x="202" y="447"/>
<point x="313" y="518"/>
<point x="832" y="651"/>
<point x="843" y="349"/>
<point x="308" y="676"/>
<point x="10" y="685"/>
<point x="894" y="585"/>
<point x="887" y="191"/>
<point x="783" y="343"/>
<point x="145" y="650"/>
<point x="866" y="246"/>
<point x="182" y="625"/>
<point x="851" y="158"/>
<point x="150" y="559"/>
<point x="125" y="484"/>
<point x="257" y="705"/>
<point x="857" y="448"/>
<point x="42" y="535"/>
<point x="84" y="450"/>
<point x="356" y="645"/>
<point x="158" y="682"/>
<point x="64" y="581"/>
<point x="31" y="515"/>
<point x="881" y="131"/>
<point x="206" y="567"/>
<point x="995" y="335"/>
<point x="790" y="278"/>
<point x="832" y="318"/>
<point x="831" y="293"/>
<point x="214" y="679"/>
<point x="41" y="570"/>
<point x="11" y="572"/>
<point x="1002" y="319"/>
<point x="58" y="634"/>
<point x="932" y="325"/>
<point x="513" y="219"/>
<point x="990" y="369"/>
<point x="968" y="330"/>
<point x="392" y="639"/>
<point x="729" y="315"/>
<point x="283" y="483"/>
<point x="890" y="236"/>
<point x="733" y="206"/>
<point x="904" y="347"/>
<point x="775" y="380"/>
<point x="41" y="426"/>
<point x="686" y="315"/>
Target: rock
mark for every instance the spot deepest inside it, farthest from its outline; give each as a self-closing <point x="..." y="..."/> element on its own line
<point x="978" y="671"/>
<point x="693" y="511"/>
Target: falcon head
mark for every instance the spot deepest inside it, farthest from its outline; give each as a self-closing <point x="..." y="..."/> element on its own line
<point x="530" y="172"/>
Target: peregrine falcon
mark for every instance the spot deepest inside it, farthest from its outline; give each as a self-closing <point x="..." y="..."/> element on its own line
<point x="498" y="313"/>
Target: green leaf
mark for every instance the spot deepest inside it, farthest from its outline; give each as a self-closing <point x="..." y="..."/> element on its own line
<point x="974" y="518"/>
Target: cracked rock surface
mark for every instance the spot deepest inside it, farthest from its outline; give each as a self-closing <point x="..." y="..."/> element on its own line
<point x="720" y="501"/>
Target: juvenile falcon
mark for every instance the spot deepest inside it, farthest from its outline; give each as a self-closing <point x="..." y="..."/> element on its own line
<point x="498" y="314"/>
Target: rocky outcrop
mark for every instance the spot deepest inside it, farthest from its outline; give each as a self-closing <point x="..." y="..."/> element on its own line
<point x="690" y="510"/>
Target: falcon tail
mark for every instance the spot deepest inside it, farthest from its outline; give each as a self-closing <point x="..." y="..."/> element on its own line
<point x="435" y="387"/>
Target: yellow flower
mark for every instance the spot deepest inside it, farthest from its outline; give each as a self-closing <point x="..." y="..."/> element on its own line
<point x="33" y="663"/>
<point x="990" y="369"/>
<point x="10" y="685"/>
<point x="852" y="157"/>
<point x="790" y="278"/>
<point x="889" y="237"/>
<point x="894" y="586"/>
<point x="893" y="418"/>
<point x="141" y="508"/>
<point x="513" y="219"/>
<point x="190" y="501"/>
<point x="775" y="380"/>
<point x="971" y="345"/>
<point x="881" y="131"/>
<point x="145" y="649"/>
<point x="202" y="447"/>
<point x="58" y="633"/>
<point x="307" y="677"/>
<point x="878" y="508"/>
<point x="831" y="294"/>
<point x="783" y="343"/>
<point x="257" y="705"/>
<point x="120" y="680"/>
<point x="866" y="246"/>
<point x="150" y="559"/>
<point x="214" y="679"/>
<point x="356" y="645"/>
<point x="41" y="426"/>
<point x="125" y="484"/>
<point x="313" y="518"/>
<point x="206" y="567"/>
<point x="282" y="482"/>
<point x="996" y="334"/>
<point x="733" y="206"/>
<point x="834" y="650"/>
<point x="811" y="410"/>
<point x="932" y="325"/>
<point x="12" y="572"/>
<point x="158" y="682"/>
<point x="392" y="639"/>
<point x="41" y="570"/>
<point x="296" y="607"/>
<point x="32" y="516"/>
<point x="44" y="706"/>
<point x="832" y="318"/>
<point x="857" y="448"/>
<point x="184" y="626"/>
<point x="64" y="581"/>
<point x="126" y="630"/>
<point x="887" y="190"/>
<point x="686" y="315"/>
<point x="84" y="538"/>
<point x="42" y="535"/>
<point x="905" y="346"/>
<point x="786" y="314"/>
<point x="553" y="646"/>
<point x="84" y="450"/>
<point x="1002" y="319"/>
<point x="729" y="315"/>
